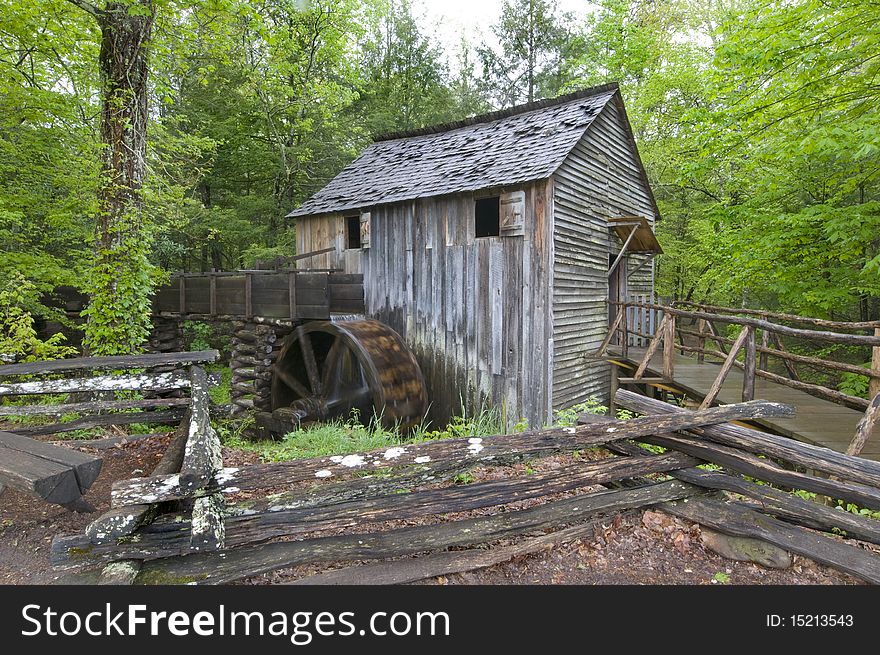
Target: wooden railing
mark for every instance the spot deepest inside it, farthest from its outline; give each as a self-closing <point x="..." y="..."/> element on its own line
<point x="264" y="293"/>
<point x="759" y="339"/>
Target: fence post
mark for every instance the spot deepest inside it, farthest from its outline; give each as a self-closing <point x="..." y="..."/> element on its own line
<point x="749" y="363"/>
<point x="765" y="344"/>
<point x="874" y="385"/>
<point x="212" y="293"/>
<point x="248" y="295"/>
<point x="701" y="340"/>
<point x="669" y="348"/>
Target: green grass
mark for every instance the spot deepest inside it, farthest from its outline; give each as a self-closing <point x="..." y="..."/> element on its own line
<point x="351" y="436"/>
<point x="221" y="394"/>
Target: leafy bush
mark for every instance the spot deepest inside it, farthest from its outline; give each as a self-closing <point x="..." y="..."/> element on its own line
<point x="855" y="384"/>
<point x="18" y="338"/>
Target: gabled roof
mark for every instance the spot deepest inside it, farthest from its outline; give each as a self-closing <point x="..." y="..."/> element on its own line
<point x="514" y="146"/>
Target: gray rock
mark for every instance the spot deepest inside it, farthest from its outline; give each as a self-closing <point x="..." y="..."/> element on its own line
<point x="746" y="549"/>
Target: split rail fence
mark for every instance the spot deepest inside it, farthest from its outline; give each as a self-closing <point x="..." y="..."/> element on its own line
<point x="100" y="391"/>
<point x="200" y="523"/>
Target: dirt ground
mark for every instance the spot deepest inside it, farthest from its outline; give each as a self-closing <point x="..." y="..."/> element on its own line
<point x="644" y="547"/>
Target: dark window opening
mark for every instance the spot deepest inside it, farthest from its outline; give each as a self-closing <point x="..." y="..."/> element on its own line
<point x="487" y="219"/>
<point x="352" y="232"/>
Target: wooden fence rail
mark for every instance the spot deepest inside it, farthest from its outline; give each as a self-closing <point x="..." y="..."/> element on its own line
<point x="62" y="475"/>
<point x="332" y="509"/>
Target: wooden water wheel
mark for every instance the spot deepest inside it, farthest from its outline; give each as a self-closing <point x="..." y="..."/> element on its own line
<point x="326" y="370"/>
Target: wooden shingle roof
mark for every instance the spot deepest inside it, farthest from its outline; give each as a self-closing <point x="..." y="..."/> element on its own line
<point x="504" y="148"/>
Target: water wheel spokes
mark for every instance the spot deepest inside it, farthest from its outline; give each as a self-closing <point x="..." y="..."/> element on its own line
<point x="328" y="370"/>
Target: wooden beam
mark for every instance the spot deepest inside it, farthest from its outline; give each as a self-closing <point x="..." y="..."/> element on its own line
<point x="659" y="336"/>
<point x="221" y="568"/>
<point x="260" y="521"/>
<point x="611" y="331"/>
<point x="669" y="347"/>
<point x="87" y="422"/>
<point x="764" y="469"/>
<point x="123" y="521"/>
<point x="212" y="294"/>
<point x="451" y="452"/>
<point x="786" y="357"/>
<point x="843" y="325"/>
<point x="139" y="382"/>
<point x="116" y="363"/>
<point x="96" y="406"/>
<point x="715" y="389"/>
<point x="786" y="506"/>
<point x="765" y="345"/>
<point x="740" y="522"/>
<point x="866" y="427"/>
<point x="817" y="335"/>
<point x="874" y="386"/>
<point x="622" y="252"/>
<point x="806" y="455"/>
<point x="401" y="571"/>
<point x="749" y="365"/>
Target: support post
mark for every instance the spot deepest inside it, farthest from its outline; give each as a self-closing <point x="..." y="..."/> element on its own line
<point x="874" y="385"/>
<point x="182" y="279"/>
<point x="749" y="363"/>
<point x="612" y="407"/>
<point x="291" y="290"/>
<point x="212" y="280"/>
<point x="701" y="340"/>
<point x="669" y="348"/>
<point x="765" y="344"/>
<point x="248" y="296"/>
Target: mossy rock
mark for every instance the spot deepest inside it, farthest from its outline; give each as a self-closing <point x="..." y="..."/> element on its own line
<point x="746" y="549"/>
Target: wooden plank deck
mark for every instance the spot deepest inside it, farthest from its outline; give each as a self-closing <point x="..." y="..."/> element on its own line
<point x="818" y="421"/>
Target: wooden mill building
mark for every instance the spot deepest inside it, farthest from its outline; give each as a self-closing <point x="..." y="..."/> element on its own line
<point x="493" y="245"/>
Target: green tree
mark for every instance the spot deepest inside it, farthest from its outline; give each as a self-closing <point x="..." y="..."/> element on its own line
<point x="792" y="125"/>
<point x="403" y="77"/>
<point x="533" y="36"/>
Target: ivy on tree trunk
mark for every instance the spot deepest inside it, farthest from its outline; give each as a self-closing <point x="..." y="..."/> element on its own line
<point x="118" y="315"/>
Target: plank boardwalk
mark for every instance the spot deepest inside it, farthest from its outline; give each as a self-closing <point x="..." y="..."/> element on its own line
<point x="818" y="421"/>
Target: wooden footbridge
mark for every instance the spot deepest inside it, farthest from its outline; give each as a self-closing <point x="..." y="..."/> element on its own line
<point x="686" y="350"/>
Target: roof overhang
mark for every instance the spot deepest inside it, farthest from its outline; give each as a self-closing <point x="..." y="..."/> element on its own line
<point x="636" y="233"/>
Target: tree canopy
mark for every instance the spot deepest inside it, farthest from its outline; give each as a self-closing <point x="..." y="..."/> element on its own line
<point x="756" y="120"/>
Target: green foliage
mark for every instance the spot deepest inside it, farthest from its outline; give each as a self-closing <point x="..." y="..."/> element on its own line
<point x="854" y="384"/>
<point x="337" y="438"/>
<point x="568" y="416"/>
<point x="220" y="394"/>
<point x="755" y="120"/>
<point x="533" y="36"/>
<point x="18" y="338"/>
<point x="120" y="285"/>
<point x="721" y="578"/>
<point x="197" y="335"/>
<point x="486" y="423"/>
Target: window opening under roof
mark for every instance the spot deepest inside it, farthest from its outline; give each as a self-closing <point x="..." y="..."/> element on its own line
<point x="487" y="220"/>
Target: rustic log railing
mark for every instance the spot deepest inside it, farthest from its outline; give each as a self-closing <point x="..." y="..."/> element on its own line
<point x="745" y="351"/>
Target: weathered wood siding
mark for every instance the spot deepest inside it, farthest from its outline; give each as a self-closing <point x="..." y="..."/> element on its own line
<point x="599" y="180"/>
<point x="320" y="232"/>
<point x="476" y="312"/>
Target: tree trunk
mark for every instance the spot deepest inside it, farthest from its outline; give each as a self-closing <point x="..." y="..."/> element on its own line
<point x="118" y="315"/>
